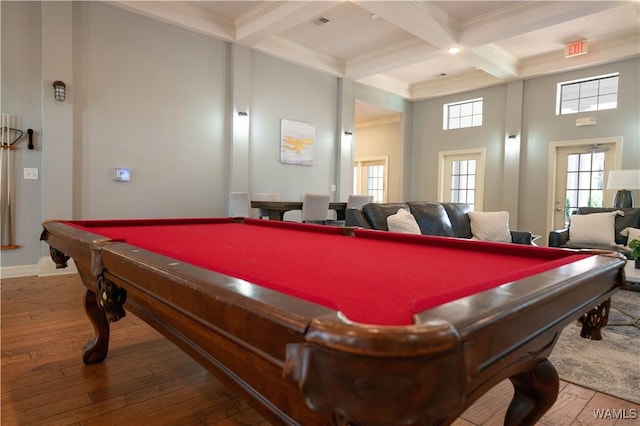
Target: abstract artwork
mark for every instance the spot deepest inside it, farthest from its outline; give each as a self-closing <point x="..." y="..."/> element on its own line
<point x="296" y="145"/>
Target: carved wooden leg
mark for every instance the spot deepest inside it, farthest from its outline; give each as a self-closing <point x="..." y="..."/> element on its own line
<point x="535" y="393"/>
<point x="593" y="321"/>
<point x="95" y="350"/>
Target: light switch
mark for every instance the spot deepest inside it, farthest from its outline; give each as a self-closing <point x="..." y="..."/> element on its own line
<point x="31" y="173"/>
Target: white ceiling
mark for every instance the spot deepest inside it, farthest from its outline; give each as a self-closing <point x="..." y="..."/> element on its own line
<point x="401" y="46"/>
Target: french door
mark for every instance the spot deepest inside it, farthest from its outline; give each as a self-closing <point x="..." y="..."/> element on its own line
<point x="461" y="177"/>
<point x="580" y="176"/>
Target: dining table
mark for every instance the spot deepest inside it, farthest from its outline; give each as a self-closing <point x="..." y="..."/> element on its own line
<point x="275" y="210"/>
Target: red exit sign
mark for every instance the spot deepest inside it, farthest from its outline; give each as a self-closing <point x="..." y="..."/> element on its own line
<point x="576" y="48"/>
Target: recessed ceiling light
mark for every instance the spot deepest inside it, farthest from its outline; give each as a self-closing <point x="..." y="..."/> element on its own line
<point x="453" y="50"/>
<point x="374" y="16"/>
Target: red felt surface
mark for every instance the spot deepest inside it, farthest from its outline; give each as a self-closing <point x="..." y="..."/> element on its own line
<point x="374" y="277"/>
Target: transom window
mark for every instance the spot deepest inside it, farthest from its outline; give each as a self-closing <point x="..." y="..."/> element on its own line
<point x="591" y="94"/>
<point x="463" y="114"/>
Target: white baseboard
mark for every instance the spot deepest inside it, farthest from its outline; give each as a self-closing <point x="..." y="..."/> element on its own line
<point x="47" y="267"/>
<point x="44" y="268"/>
<point x="18" y="271"/>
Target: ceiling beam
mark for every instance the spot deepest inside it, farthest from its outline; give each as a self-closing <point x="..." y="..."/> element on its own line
<point x="393" y="57"/>
<point x="270" y="18"/>
<point x="525" y="17"/>
<point x="422" y="19"/>
<point x="182" y="14"/>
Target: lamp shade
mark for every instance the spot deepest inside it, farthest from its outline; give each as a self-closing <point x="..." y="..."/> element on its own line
<point x="624" y="179"/>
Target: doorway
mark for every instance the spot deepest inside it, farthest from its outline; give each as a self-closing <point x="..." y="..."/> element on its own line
<point x="578" y="176"/>
<point x="378" y="152"/>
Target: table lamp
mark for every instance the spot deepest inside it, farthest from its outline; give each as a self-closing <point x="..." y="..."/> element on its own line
<point x="623" y="181"/>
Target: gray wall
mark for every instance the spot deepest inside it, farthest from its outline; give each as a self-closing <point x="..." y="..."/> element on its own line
<point x="430" y="139"/>
<point x="155" y="98"/>
<point x="539" y="127"/>
<point x="151" y="97"/>
<point x="285" y="91"/>
<point x="22" y="96"/>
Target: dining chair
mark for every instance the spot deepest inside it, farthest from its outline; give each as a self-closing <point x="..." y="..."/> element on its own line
<point x="357" y="201"/>
<point x="315" y="208"/>
<point x="239" y="204"/>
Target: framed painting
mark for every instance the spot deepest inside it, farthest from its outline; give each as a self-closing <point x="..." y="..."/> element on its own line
<point x="296" y="144"/>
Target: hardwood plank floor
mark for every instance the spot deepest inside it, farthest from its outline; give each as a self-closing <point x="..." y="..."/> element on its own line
<point x="147" y="380"/>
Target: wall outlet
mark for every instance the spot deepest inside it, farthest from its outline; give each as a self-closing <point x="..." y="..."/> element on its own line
<point x="30" y="173"/>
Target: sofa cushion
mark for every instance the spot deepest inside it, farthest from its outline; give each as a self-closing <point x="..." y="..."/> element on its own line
<point x="593" y="228"/>
<point x="459" y="218"/>
<point x="403" y="222"/>
<point x="432" y="219"/>
<point x="377" y="214"/>
<point x="490" y="226"/>
<point x="630" y="219"/>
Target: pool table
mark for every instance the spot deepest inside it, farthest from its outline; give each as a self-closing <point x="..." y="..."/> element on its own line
<point x="319" y="325"/>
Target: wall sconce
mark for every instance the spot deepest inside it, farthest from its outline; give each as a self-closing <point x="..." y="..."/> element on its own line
<point x="59" y="90"/>
<point x="243" y="114"/>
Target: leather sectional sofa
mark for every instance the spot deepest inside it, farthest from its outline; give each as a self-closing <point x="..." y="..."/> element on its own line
<point x="433" y="218"/>
<point x="565" y="238"/>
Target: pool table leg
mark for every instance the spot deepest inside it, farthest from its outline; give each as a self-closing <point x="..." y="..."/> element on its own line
<point x="535" y="392"/>
<point x="95" y="350"/>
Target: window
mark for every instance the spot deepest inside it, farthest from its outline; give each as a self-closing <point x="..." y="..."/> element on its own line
<point x="463" y="182"/>
<point x="370" y="178"/>
<point x="585" y="177"/>
<point x="462" y="114"/>
<point x="592" y="94"/>
<point x="461" y="177"/>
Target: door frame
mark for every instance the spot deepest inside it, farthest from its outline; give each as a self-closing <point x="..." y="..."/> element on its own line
<point x="617" y="141"/>
<point x="443" y="157"/>
<point x="374" y="159"/>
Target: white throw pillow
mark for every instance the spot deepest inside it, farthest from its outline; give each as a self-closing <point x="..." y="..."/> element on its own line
<point x="631" y="234"/>
<point x="490" y="226"/>
<point x="403" y="222"/>
<point x="593" y="228"/>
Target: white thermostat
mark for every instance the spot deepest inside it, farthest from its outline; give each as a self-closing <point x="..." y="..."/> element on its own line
<point x="121" y="174"/>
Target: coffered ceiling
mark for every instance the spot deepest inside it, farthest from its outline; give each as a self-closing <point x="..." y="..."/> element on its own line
<point x="401" y="46"/>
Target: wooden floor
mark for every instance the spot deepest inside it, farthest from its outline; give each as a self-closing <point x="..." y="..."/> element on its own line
<point x="146" y="380"/>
